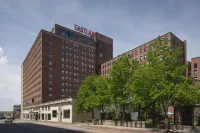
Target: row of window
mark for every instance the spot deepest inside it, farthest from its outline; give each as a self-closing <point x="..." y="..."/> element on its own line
<point x="64" y="95"/>
<point x="28" y="89"/>
<point x="36" y="48"/>
<point x="74" y="36"/>
<point x="27" y="75"/>
<point x="77" y="46"/>
<point x="66" y="114"/>
<point x="29" y="85"/>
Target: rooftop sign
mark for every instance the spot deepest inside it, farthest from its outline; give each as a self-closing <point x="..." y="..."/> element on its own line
<point x="85" y="31"/>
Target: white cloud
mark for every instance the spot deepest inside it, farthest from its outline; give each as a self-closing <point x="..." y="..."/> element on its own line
<point x="3" y="59"/>
<point x="10" y="91"/>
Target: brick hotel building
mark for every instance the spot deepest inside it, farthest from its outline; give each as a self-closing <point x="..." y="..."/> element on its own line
<point x="58" y="61"/>
<point x="139" y="53"/>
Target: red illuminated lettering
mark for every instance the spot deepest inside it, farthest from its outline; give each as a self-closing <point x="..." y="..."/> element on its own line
<point x="81" y="30"/>
<point x="85" y="31"/>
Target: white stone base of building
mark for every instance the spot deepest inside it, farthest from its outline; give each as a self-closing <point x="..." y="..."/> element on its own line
<point x="57" y="111"/>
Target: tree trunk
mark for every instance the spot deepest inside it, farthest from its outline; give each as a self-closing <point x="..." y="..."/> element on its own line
<point x="92" y="113"/>
<point x="153" y="112"/>
<point x="167" y="120"/>
<point x="139" y="111"/>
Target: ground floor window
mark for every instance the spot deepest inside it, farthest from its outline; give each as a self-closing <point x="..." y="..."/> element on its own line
<point x="42" y="116"/>
<point x="39" y="116"/>
<point x="49" y="116"/>
<point x="54" y="113"/>
<point x="66" y="113"/>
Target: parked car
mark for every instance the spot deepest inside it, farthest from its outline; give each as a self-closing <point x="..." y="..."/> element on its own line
<point x="8" y="119"/>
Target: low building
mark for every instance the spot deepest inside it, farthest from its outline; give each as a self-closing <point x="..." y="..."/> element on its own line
<point x="17" y="111"/>
<point x="57" y="111"/>
<point x="195" y="69"/>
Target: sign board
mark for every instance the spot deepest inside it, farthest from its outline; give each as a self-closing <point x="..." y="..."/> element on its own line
<point x="84" y="31"/>
<point x="134" y="116"/>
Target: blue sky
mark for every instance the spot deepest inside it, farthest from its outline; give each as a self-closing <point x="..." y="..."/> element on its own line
<point x="129" y="22"/>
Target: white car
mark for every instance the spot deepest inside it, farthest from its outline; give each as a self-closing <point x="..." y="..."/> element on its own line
<point x="8" y="119"/>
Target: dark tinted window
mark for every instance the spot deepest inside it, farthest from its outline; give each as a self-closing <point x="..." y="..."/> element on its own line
<point x="195" y="65"/>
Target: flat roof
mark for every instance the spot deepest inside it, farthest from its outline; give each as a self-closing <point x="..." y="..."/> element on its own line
<point x="195" y="57"/>
<point x="142" y="45"/>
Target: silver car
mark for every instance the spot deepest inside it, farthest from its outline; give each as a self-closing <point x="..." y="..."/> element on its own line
<point x="8" y="119"/>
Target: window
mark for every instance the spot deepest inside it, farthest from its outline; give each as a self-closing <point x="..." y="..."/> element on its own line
<point x="49" y="116"/>
<point x="42" y="116"/>
<point x="66" y="113"/>
<point x="136" y="52"/>
<point x="50" y="95"/>
<point x="54" y="113"/>
<point x="132" y="54"/>
<point x="50" y="77"/>
<point x="62" y="78"/>
<point x="145" y="49"/>
<point x="166" y="39"/>
<point x="145" y="57"/>
<point x="50" y="69"/>
<point x="50" y="63"/>
<point x="140" y="58"/>
<point x="50" y="82"/>
<point x="140" y="50"/>
<point x="62" y="71"/>
<point x="101" y="55"/>
<point x="195" y="73"/>
<point x="62" y="59"/>
<point x="195" y="65"/>
<point x="63" y="90"/>
<point x="50" y="56"/>
<point x="62" y="84"/>
<point x="50" y="89"/>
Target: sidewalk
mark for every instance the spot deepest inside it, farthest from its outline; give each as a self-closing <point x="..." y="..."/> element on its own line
<point x="89" y="126"/>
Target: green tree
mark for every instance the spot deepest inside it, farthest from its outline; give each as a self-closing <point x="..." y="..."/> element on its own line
<point x="162" y="79"/>
<point x="86" y="97"/>
<point x="102" y="92"/>
<point x="93" y="93"/>
<point x="120" y="81"/>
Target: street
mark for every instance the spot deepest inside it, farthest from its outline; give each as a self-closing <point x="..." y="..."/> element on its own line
<point x="20" y="127"/>
<point x="43" y="127"/>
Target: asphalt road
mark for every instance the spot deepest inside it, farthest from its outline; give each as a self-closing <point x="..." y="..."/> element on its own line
<point x="20" y="127"/>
